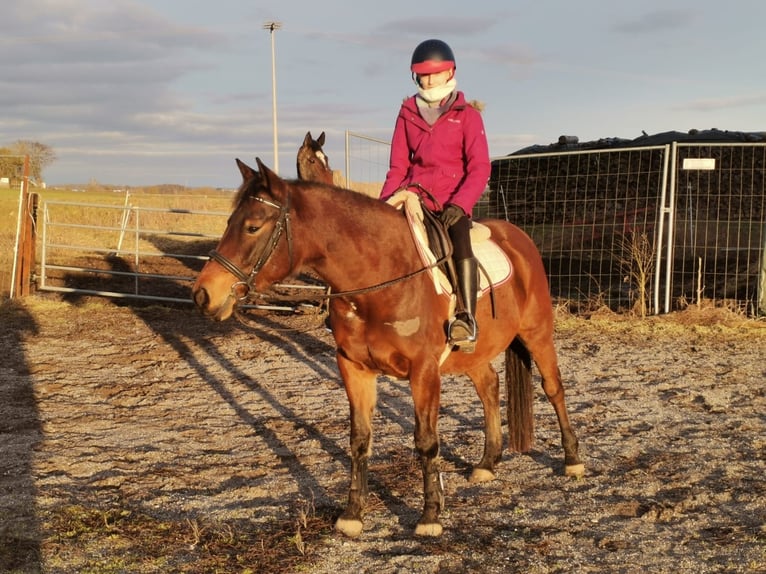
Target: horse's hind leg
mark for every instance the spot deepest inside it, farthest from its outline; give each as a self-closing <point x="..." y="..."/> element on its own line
<point x="487" y="386"/>
<point x="362" y="393"/>
<point x="544" y="355"/>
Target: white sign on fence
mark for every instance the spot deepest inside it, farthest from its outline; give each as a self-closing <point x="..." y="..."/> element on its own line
<point x="702" y="163"/>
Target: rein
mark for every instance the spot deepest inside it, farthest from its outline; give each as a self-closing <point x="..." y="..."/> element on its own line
<point x="283" y="225"/>
<point x="375" y="287"/>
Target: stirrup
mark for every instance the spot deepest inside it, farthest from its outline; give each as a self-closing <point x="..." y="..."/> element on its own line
<point x="462" y="332"/>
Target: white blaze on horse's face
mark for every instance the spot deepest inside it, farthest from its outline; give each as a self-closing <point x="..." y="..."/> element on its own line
<point x="322" y="158"/>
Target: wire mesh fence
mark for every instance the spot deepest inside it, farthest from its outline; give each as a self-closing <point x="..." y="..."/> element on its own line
<point x="650" y="229"/>
<point x="719" y="222"/>
<point x="366" y="163"/>
<point x="587" y="213"/>
<point x="645" y="228"/>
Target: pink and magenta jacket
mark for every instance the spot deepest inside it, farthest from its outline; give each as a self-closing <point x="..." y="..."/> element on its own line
<point x="449" y="159"/>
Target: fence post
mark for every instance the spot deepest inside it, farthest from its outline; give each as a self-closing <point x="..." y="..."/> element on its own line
<point x="30" y="242"/>
<point x="25" y="242"/>
<point x="124" y="222"/>
<point x="762" y="279"/>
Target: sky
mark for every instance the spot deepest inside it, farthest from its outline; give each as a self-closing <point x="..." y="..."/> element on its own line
<point x="144" y="92"/>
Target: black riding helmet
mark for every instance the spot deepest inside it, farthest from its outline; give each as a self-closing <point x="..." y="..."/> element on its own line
<point x="432" y="56"/>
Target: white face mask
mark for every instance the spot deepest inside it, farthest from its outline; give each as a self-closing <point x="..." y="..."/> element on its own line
<point x="437" y="94"/>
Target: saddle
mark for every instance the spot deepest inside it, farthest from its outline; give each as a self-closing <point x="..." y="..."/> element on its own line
<point x="434" y="245"/>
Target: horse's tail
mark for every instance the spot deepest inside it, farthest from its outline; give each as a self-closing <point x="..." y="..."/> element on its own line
<point x="519" y="396"/>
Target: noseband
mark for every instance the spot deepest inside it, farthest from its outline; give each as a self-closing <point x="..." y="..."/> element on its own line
<point x="247" y="281"/>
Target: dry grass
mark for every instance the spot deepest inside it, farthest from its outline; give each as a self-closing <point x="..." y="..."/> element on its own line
<point x="140" y="542"/>
<point x="705" y="319"/>
<point x="9" y="202"/>
<point x="366" y="188"/>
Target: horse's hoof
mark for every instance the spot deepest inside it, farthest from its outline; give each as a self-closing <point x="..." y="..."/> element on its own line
<point x="432" y="529"/>
<point x="349" y="527"/>
<point x="481" y="475"/>
<point x="574" y="470"/>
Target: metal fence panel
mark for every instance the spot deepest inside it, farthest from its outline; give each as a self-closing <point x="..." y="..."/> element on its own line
<point x="366" y="159"/>
<point x="719" y="221"/>
<point x="592" y="214"/>
<point x="613" y="225"/>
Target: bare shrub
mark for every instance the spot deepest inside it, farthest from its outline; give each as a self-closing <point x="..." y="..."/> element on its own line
<point x="636" y="260"/>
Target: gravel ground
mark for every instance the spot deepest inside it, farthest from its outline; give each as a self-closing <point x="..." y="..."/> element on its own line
<point x="162" y="412"/>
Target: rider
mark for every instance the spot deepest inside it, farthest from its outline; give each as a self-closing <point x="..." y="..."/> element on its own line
<point x="439" y="145"/>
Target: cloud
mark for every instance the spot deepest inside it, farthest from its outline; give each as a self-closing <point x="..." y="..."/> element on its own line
<point x="713" y="104"/>
<point x="508" y="54"/>
<point x="438" y="26"/>
<point x="77" y="62"/>
<point x="655" y="21"/>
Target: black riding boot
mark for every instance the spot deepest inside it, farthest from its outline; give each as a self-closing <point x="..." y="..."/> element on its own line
<point x="463" y="329"/>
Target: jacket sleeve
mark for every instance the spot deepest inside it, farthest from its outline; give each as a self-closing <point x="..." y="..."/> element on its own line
<point x="477" y="163"/>
<point x="399" y="161"/>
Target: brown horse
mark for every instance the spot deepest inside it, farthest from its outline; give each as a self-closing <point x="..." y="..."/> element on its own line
<point x="388" y="319"/>
<point x="312" y="163"/>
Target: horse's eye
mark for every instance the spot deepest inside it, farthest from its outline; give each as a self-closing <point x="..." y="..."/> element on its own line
<point x="252" y="229"/>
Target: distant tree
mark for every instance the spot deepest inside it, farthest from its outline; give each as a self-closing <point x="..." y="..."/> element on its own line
<point x="40" y="156"/>
<point x="10" y="164"/>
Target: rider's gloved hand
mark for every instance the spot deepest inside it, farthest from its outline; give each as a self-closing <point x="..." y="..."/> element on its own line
<point x="451" y="214"/>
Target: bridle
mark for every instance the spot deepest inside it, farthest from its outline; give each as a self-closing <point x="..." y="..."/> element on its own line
<point x="283" y="226"/>
<point x="247" y="281"/>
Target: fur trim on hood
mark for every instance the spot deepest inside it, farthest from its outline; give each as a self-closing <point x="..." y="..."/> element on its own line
<point x="477" y="105"/>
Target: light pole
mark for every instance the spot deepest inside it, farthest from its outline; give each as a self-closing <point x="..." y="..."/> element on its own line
<point x="272" y="27"/>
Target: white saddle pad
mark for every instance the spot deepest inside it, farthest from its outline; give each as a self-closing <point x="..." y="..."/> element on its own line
<point x="495" y="263"/>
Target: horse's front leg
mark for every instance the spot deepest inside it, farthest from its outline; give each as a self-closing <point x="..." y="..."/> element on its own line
<point x="361" y="390"/>
<point x="426" y="389"/>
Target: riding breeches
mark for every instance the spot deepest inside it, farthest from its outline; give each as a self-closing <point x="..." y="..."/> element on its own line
<point x="460" y="235"/>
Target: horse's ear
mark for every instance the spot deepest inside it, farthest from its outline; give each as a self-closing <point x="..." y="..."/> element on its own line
<point x="307" y="139"/>
<point x="275" y="185"/>
<point x="268" y="177"/>
<point x="320" y="139"/>
<point x="247" y="172"/>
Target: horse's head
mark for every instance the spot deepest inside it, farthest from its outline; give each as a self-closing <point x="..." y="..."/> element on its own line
<point x="312" y="163"/>
<point x="255" y="251"/>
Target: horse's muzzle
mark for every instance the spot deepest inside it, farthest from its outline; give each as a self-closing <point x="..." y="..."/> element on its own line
<point x="201" y="299"/>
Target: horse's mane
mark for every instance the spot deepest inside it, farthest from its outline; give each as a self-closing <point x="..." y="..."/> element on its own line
<point x="348" y="198"/>
<point x="344" y="199"/>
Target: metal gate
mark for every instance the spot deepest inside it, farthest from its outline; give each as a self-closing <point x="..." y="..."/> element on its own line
<point x="129" y="252"/>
